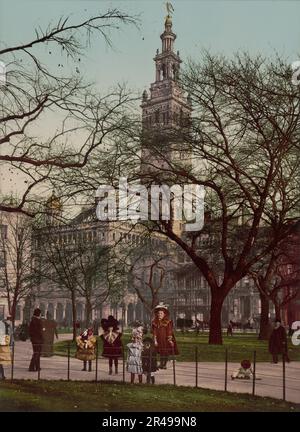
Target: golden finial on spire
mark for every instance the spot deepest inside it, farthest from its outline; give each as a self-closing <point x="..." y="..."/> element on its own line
<point x="170" y="10"/>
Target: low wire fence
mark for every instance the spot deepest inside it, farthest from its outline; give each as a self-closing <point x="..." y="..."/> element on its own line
<point x="281" y="381"/>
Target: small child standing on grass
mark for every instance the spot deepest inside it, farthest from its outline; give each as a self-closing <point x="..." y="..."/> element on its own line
<point x="149" y="361"/>
<point x="134" y="357"/>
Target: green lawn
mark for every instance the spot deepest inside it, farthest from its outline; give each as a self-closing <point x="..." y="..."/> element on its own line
<point x="82" y="396"/>
<point x="239" y="346"/>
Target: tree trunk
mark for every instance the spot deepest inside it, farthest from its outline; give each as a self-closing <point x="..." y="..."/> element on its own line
<point x="12" y="312"/>
<point x="88" y="312"/>
<point x="74" y="315"/>
<point x="264" y="318"/>
<point x="277" y="310"/>
<point x="215" y="324"/>
<point x="155" y="301"/>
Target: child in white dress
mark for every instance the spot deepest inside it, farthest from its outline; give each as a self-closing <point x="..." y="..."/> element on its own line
<point x="134" y="356"/>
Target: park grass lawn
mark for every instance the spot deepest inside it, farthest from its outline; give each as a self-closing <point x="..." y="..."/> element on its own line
<point x="27" y="395"/>
<point x="239" y="346"/>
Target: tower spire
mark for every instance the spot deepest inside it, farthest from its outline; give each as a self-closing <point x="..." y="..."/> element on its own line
<point x="166" y="105"/>
<point x="168" y="37"/>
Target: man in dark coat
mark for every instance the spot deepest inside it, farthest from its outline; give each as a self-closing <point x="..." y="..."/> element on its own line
<point x="278" y="342"/>
<point x="36" y="337"/>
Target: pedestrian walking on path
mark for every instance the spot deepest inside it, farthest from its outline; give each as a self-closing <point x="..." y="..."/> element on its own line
<point x="36" y="337"/>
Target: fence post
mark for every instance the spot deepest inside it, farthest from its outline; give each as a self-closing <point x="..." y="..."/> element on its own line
<point x="123" y="365"/>
<point x="196" y="360"/>
<point x="12" y="361"/>
<point x="174" y="370"/>
<point x="68" y="361"/>
<point x="254" y="373"/>
<point x="226" y="367"/>
<point x="283" y="375"/>
<point x="150" y="368"/>
<point x="96" y="374"/>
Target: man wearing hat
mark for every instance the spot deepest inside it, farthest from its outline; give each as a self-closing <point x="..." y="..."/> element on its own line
<point x="36" y="337"/>
<point x="163" y="334"/>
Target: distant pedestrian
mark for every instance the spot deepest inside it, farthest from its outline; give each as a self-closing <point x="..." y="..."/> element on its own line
<point x="230" y="329"/>
<point x="278" y="342"/>
<point x="36" y="337"/>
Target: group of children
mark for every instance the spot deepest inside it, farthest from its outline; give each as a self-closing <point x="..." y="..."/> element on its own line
<point x="141" y="357"/>
<point x="142" y="352"/>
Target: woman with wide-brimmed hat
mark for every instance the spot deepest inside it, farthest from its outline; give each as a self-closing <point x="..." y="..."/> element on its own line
<point x="112" y="343"/>
<point x="163" y="334"/>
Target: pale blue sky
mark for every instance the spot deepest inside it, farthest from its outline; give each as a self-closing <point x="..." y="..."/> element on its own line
<point x="221" y="26"/>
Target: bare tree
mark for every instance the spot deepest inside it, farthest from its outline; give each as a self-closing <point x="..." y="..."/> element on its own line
<point x="151" y="265"/>
<point x="69" y="264"/>
<point x="15" y="265"/>
<point x="277" y="278"/>
<point x="38" y="93"/>
<point x="243" y="143"/>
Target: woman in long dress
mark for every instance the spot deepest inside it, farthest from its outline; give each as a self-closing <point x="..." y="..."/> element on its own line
<point x="163" y="335"/>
